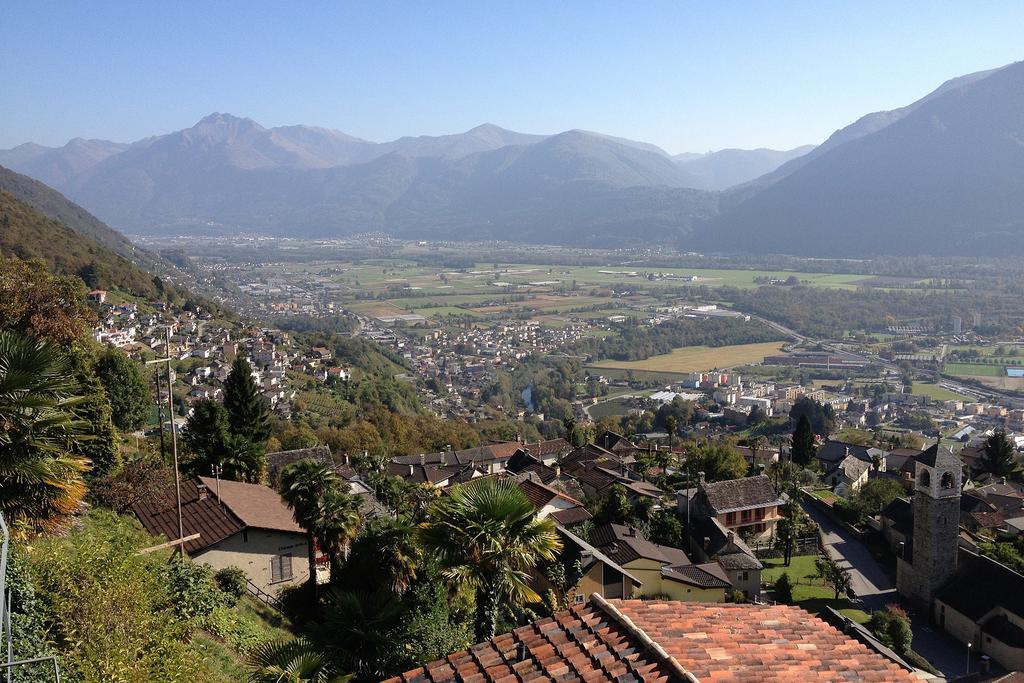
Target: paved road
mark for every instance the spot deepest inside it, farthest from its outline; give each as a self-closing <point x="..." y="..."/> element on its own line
<point x="874" y="590"/>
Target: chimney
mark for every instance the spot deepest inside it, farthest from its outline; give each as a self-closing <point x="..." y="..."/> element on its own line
<point x="423" y="459"/>
<point x="412" y="470"/>
<point x="700" y="479"/>
<point x="631" y="531"/>
<point x="558" y="471"/>
<point x="732" y="537"/>
<point x="202" y="491"/>
<point x="707" y="543"/>
<point x="444" y="458"/>
<point x="346" y="458"/>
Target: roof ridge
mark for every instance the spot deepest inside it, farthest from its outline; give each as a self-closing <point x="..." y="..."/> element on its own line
<point x="659" y="652"/>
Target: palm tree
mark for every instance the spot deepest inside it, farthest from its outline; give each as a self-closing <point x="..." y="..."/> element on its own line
<point x="302" y="486"/>
<point x="362" y="626"/>
<point x="387" y="551"/>
<point x="315" y="493"/>
<point x="40" y="478"/>
<point x="336" y="524"/>
<point x="486" y="537"/>
<point x="291" y="661"/>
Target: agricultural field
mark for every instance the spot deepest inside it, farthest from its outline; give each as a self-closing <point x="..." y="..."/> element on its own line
<point x="697" y="358"/>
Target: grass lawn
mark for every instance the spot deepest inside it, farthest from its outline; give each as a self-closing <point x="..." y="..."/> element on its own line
<point x="974" y="370"/>
<point x="936" y="392"/>
<point x="616" y="406"/>
<point x="825" y="495"/>
<point x="697" y="358"/>
<point x="809" y="592"/>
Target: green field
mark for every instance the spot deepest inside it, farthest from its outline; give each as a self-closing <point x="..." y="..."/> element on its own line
<point x="616" y="406"/>
<point x="974" y="370"/>
<point x="697" y="358"/>
<point x="936" y="392"/>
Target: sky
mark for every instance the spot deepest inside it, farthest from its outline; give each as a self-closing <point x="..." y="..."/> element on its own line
<point x="688" y="76"/>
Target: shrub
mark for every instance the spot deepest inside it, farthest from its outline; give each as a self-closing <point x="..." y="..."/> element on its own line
<point x="784" y="589"/>
<point x="892" y="627"/>
<point x="109" y="607"/>
<point x="194" y="592"/>
<point x="232" y="582"/>
<point x="239" y="631"/>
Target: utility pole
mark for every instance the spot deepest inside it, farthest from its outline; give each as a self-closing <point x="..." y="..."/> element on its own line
<point x="160" y="416"/>
<point x="174" y="434"/>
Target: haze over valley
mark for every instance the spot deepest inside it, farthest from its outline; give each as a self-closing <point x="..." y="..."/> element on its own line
<point x="706" y="364"/>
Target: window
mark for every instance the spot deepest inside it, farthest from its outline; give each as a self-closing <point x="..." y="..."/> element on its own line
<point x="742" y="576"/>
<point x="578" y="599"/>
<point x="925" y="479"/>
<point x="948" y="480"/>
<point x="281" y="568"/>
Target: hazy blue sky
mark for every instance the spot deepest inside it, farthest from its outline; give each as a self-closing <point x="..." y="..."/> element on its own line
<point x="689" y="76"/>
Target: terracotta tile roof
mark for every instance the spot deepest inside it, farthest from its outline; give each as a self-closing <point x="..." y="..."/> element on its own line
<point x="259" y="507"/>
<point x="214" y="522"/>
<point x="635" y="640"/>
<point x="739" y="494"/>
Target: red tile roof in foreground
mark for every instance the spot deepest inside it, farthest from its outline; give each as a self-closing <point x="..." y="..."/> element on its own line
<point x="637" y="640"/>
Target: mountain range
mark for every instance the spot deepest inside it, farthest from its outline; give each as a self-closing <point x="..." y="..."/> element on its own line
<point x="231" y="174"/>
<point x="944" y="174"/>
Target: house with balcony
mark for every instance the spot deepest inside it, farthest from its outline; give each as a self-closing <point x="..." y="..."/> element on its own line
<point x="749" y="506"/>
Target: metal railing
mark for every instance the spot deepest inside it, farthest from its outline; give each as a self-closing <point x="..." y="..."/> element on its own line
<point x="6" y="631"/>
<point x="263" y="596"/>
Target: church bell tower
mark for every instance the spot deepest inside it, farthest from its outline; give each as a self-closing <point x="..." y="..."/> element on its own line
<point x="930" y="561"/>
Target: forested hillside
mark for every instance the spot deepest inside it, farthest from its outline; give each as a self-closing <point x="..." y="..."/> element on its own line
<point x="28" y="234"/>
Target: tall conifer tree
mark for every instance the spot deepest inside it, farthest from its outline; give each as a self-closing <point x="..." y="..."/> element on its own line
<point x="803" y="442"/>
<point x="247" y="409"/>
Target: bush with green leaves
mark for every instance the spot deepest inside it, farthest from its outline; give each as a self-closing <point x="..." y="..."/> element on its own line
<point x="892" y="627"/>
<point x="784" y="589"/>
<point x="108" y="610"/>
<point x="193" y="588"/>
<point x="240" y="631"/>
<point x="232" y="583"/>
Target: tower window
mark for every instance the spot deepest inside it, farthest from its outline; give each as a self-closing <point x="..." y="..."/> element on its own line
<point x="925" y="478"/>
<point x="947" y="480"/>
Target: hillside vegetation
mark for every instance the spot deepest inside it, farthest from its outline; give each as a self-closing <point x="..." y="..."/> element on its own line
<point x="28" y="234"/>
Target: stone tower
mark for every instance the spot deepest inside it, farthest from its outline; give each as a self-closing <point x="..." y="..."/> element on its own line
<point x="931" y="560"/>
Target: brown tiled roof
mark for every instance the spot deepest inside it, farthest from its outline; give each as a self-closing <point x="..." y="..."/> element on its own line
<point x="635" y="640"/>
<point x="278" y="460"/>
<point x="625" y="544"/>
<point x="708" y="575"/>
<point x="571" y="516"/>
<point x="738" y="494"/>
<point x="540" y="495"/>
<point x="548" y="447"/>
<point x="214" y="522"/>
<point x="259" y="507"/>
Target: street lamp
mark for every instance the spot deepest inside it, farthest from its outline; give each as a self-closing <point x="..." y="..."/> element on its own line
<point x="969" y="657"/>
